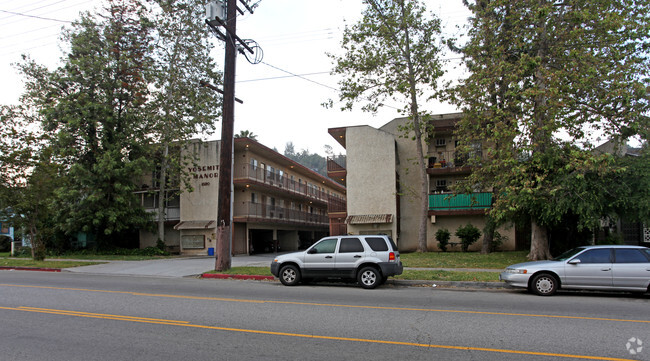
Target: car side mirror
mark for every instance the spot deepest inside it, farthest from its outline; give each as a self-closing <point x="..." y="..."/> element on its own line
<point x="574" y="261"/>
<point x="312" y="251"/>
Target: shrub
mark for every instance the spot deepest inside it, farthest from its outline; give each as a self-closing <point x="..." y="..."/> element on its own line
<point x="468" y="234"/>
<point x="442" y="236"/>
<point x="497" y="241"/>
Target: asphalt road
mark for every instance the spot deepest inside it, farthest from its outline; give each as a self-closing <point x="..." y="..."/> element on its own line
<point x="67" y="316"/>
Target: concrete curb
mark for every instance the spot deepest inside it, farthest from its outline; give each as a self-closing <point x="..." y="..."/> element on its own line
<point x="238" y="277"/>
<point x="8" y="268"/>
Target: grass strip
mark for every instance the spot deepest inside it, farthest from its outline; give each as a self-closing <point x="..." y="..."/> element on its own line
<point x="13" y="262"/>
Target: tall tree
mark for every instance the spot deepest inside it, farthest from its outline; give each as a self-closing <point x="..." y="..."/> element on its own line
<point x="391" y="53"/>
<point x="545" y="78"/>
<point x="180" y="107"/>
<point x="94" y="108"/>
<point x="246" y="134"/>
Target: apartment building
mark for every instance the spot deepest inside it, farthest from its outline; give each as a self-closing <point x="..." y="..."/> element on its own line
<point x="382" y="183"/>
<point x="277" y="204"/>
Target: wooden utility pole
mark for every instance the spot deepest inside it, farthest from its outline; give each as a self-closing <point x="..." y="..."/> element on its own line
<point x="224" y="231"/>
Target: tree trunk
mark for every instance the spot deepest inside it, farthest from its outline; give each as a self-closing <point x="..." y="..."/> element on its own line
<point x="539" y="247"/>
<point x="161" y="195"/>
<point x="488" y="236"/>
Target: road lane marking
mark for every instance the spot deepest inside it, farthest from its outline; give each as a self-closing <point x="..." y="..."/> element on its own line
<point x="299" y="335"/>
<point x="222" y="299"/>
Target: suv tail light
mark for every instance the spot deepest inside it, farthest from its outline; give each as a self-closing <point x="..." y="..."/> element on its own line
<point x="391" y="256"/>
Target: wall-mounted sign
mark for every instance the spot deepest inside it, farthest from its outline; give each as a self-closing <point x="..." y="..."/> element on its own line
<point x="193" y="242"/>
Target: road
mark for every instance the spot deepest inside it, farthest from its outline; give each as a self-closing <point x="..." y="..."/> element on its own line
<point x="67" y="316"/>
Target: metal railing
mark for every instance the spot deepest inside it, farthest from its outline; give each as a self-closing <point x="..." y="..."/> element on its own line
<point x="450" y="201"/>
<point x="278" y="214"/>
<point x="277" y="180"/>
<point x="450" y="158"/>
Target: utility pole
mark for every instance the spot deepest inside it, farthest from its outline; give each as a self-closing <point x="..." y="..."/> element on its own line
<point x="224" y="230"/>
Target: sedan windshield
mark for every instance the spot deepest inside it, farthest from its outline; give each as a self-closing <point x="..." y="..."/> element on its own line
<point x="568" y="254"/>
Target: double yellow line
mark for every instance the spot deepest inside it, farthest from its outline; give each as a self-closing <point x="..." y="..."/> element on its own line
<point x="333" y="338"/>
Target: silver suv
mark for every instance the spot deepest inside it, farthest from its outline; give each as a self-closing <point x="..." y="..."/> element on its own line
<point x="370" y="259"/>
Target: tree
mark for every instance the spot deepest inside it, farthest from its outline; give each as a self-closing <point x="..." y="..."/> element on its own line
<point x="246" y="134"/>
<point x="545" y="78"/>
<point x="180" y="107"/>
<point x="94" y="110"/>
<point x="392" y="54"/>
<point x="29" y="178"/>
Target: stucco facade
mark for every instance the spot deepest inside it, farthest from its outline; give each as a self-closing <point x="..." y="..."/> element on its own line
<point x="383" y="184"/>
<point x="277" y="204"/>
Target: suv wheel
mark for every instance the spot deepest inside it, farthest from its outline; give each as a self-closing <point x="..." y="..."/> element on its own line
<point x="369" y="277"/>
<point x="289" y="275"/>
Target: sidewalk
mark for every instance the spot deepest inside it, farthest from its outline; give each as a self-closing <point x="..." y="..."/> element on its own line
<point x="196" y="266"/>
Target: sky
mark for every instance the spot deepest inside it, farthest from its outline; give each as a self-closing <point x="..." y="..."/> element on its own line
<point x="281" y="96"/>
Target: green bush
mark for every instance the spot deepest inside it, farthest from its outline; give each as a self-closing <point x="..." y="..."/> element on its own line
<point x="442" y="236"/>
<point x="468" y="234"/>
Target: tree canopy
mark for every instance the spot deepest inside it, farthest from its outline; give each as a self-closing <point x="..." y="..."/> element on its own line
<point x="546" y="80"/>
<point x="392" y="54"/>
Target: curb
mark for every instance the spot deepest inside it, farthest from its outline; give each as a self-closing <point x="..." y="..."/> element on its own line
<point x="8" y="268"/>
<point x="238" y="277"/>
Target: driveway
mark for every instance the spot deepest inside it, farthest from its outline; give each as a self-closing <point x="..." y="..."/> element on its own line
<point x="170" y="267"/>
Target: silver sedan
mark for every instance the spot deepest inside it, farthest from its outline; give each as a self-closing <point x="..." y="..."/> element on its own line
<point x="617" y="268"/>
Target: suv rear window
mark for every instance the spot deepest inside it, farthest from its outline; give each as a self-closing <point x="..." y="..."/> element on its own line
<point x="350" y="245"/>
<point x="377" y="244"/>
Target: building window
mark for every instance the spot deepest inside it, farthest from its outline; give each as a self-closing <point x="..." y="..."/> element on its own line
<point x="440" y="142"/>
<point x="253" y="198"/>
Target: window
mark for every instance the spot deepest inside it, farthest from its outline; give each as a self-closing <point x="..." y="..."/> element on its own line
<point x="377" y="244"/>
<point x="254" y="163"/>
<point x="324" y="246"/>
<point x="350" y="245"/>
<point x="441" y="142"/>
<point x="253" y="198"/>
<point x="595" y="256"/>
<point x="629" y="256"/>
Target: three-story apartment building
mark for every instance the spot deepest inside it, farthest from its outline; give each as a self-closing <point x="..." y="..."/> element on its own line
<point x="383" y="181"/>
<point x="277" y="204"/>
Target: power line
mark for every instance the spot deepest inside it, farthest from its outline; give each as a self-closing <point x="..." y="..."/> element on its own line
<point x="35" y="17"/>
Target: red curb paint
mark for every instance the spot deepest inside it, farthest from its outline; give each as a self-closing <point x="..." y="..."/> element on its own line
<point x="239" y="277"/>
<point x="7" y="268"/>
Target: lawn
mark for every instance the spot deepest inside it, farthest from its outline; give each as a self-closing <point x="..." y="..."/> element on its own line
<point x="495" y="260"/>
<point x="22" y="262"/>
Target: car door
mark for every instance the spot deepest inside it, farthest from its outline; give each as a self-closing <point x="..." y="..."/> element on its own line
<point x="320" y="258"/>
<point x="350" y="254"/>
<point x="589" y="269"/>
<point x="631" y="268"/>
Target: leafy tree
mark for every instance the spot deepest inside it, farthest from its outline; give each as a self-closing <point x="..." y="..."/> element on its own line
<point x="313" y="161"/>
<point x="246" y="134"/>
<point x="392" y="54"/>
<point x="180" y="108"/>
<point x="94" y="109"/>
<point x="29" y="178"/>
<point x="545" y="77"/>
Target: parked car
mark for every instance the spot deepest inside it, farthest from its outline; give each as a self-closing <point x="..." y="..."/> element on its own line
<point x="612" y="268"/>
<point x="370" y="259"/>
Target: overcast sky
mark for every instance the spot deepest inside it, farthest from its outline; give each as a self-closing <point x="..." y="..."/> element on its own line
<point x="279" y="107"/>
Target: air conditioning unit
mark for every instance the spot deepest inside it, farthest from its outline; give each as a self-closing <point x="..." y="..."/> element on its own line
<point x="215" y="10"/>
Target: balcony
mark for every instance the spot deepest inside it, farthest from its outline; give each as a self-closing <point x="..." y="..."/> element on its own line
<point x="459" y="204"/>
<point x="278" y="183"/>
<point x="265" y="213"/>
<point x="449" y="162"/>
<point x="336" y="169"/>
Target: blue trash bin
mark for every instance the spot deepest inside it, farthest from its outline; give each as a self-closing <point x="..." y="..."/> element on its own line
<point x="211" y="251"/>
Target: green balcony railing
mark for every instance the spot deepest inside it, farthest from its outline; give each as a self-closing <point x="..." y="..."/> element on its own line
<point x="451" y="202"/>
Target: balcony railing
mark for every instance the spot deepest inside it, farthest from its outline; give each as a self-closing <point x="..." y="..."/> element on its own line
<point x="451" y="202"/>
<point x="336" y="205"/>
<point x="278" y="214"/>
<point x="279" y="181"/>
<point x="336" y="164"/>
<point x="171" y="213"/>
<point x="449" y="159"/>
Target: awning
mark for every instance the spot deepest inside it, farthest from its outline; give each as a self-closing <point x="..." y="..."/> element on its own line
<point x="369" y="218"/>
<point x="196" y="225"/>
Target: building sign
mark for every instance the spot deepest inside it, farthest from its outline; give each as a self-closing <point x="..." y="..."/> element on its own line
<point x="193" y="242"/>
<point x="204" y="172"/>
